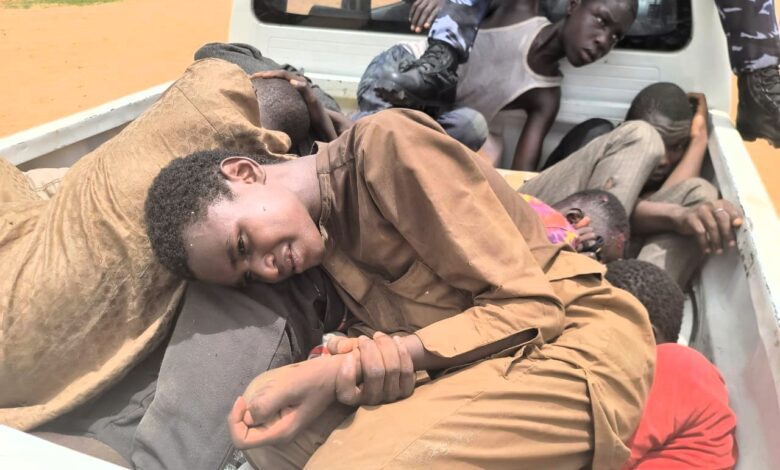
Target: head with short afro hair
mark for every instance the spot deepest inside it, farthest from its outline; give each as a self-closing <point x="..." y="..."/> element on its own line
<point x="608" y="219"/>
<point x="656" y="290"/>
<point x="178" y="197"/>
<point x="666" y="107"/>
<point x="283" y="109"/>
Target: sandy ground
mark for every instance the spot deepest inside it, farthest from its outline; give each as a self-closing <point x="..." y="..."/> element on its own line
<point x="62" y="59"/>
<point x="58" y="60"/>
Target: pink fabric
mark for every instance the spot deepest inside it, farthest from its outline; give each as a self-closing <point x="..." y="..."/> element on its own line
<point x="558" y="229"/>
<point x="687" y="423"/>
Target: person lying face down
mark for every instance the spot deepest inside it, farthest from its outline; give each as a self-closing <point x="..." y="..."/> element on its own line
<point x="593" y="222"/>
<point x="607" y="233"/>
<point x="687" y="422"/>
<point x="460" y="265"/>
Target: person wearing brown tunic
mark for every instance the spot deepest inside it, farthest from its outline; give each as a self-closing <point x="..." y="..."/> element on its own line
<point x="536" y="361"/>
<point x="98" y="342"/>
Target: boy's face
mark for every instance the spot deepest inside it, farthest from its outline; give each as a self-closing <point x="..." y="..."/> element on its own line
<point x="610" y="248"/>
<point x="593" y="27"/>
<point x="672" y="156"/>
<point x="264" y="233"/>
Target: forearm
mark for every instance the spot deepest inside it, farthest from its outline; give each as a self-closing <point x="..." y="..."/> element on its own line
<point x="425" y="360"/>
<point x="655" y="217"/>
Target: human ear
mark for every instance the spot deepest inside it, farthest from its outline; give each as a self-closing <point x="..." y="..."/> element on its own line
<point x="242" y="169"/>
<point x="573" y="4"/>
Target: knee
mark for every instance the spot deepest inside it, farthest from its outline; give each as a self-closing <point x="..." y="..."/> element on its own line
<point x="645" y="137"/>
<point x="468" y="127"/>
<point x="698" y="190"/>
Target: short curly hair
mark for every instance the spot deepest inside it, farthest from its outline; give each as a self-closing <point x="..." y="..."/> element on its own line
<point x="655" y="289"/>
<point x="666" y="107"/>
<point x="179" y="196"/>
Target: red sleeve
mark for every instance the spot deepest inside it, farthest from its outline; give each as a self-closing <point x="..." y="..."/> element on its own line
<point x="687" y="423"/>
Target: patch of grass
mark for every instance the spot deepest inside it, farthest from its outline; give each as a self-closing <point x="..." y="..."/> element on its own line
<point x="29" y="3"/>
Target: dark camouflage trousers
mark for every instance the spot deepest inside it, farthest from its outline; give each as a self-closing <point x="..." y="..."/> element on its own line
<point x="457" y="24"/>
<point x="752" y="33"/>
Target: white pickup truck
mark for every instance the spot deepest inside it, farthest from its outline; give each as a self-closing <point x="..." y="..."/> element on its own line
<point x="733" y="311"/>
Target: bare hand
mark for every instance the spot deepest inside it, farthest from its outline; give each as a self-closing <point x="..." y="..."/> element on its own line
<point x="712" y="223"/>
<point x="422" y="14"/>
<point x="283" y="402"/>
<point x="374" y="371"/>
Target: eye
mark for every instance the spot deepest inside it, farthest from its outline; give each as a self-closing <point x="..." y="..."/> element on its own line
<point x="600" y="21"/>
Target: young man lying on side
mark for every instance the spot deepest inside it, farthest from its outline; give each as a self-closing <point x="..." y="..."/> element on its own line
<point x="537" y="361"/>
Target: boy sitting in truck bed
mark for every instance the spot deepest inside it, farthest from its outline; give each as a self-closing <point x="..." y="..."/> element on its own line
<point x="513" y="65"/>
<point x="679" y="217"/>
<point x="687" y="423"/>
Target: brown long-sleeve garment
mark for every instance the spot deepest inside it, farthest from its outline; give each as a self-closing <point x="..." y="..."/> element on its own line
<point x="438" y="246"/>
<point x="82" y="298"/>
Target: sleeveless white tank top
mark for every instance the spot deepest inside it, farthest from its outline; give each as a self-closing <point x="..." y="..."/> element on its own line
<point x="497" y="72"/>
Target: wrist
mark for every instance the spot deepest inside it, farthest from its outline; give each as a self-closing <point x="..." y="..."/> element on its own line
<point x="677" y="215"/>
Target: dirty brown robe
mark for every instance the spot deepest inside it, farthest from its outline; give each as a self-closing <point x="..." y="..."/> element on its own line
<point x="82" y="299"/>
<point x="423" y="236"/>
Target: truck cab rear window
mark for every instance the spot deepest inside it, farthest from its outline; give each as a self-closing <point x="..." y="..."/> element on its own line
<point x="661" y="25"/>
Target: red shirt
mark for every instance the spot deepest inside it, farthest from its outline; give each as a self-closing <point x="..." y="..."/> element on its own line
<point x="687" y="422"/>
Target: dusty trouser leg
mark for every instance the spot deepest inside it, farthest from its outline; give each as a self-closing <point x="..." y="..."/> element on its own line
<point x="457" y="24"/>
<point x="580" y="135"/>
<point x="570" y="404"/>
<point x="214" y="354"/>
<point x="14" y="186"/>
<point x="619" y="162"/>
<point x="678" y="255"/>
<point x="752" y="33"/>
<point x="754" y="51"/>
<point x="170" y="411"/>
<point x="380" y="67"/>
<point x="466" y="125"/>
<point x="431" y="80"/>
<point x="251" y="60"/>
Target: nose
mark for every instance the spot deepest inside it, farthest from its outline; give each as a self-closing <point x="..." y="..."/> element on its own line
<point x="602" y="44"/>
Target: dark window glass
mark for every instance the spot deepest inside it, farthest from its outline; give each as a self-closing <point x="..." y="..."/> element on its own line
<point x="661" y="25"/>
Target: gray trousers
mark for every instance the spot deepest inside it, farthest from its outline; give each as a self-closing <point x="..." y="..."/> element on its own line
<point x="619" y="162"/>
<point x="466" y="125"/>
<point x="170" y="411"/>
<point x="679" y="255"/>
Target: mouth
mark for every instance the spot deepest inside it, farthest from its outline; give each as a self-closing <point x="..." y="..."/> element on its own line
<point x="589" y="55"/>
<point x="292" y="260"/>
